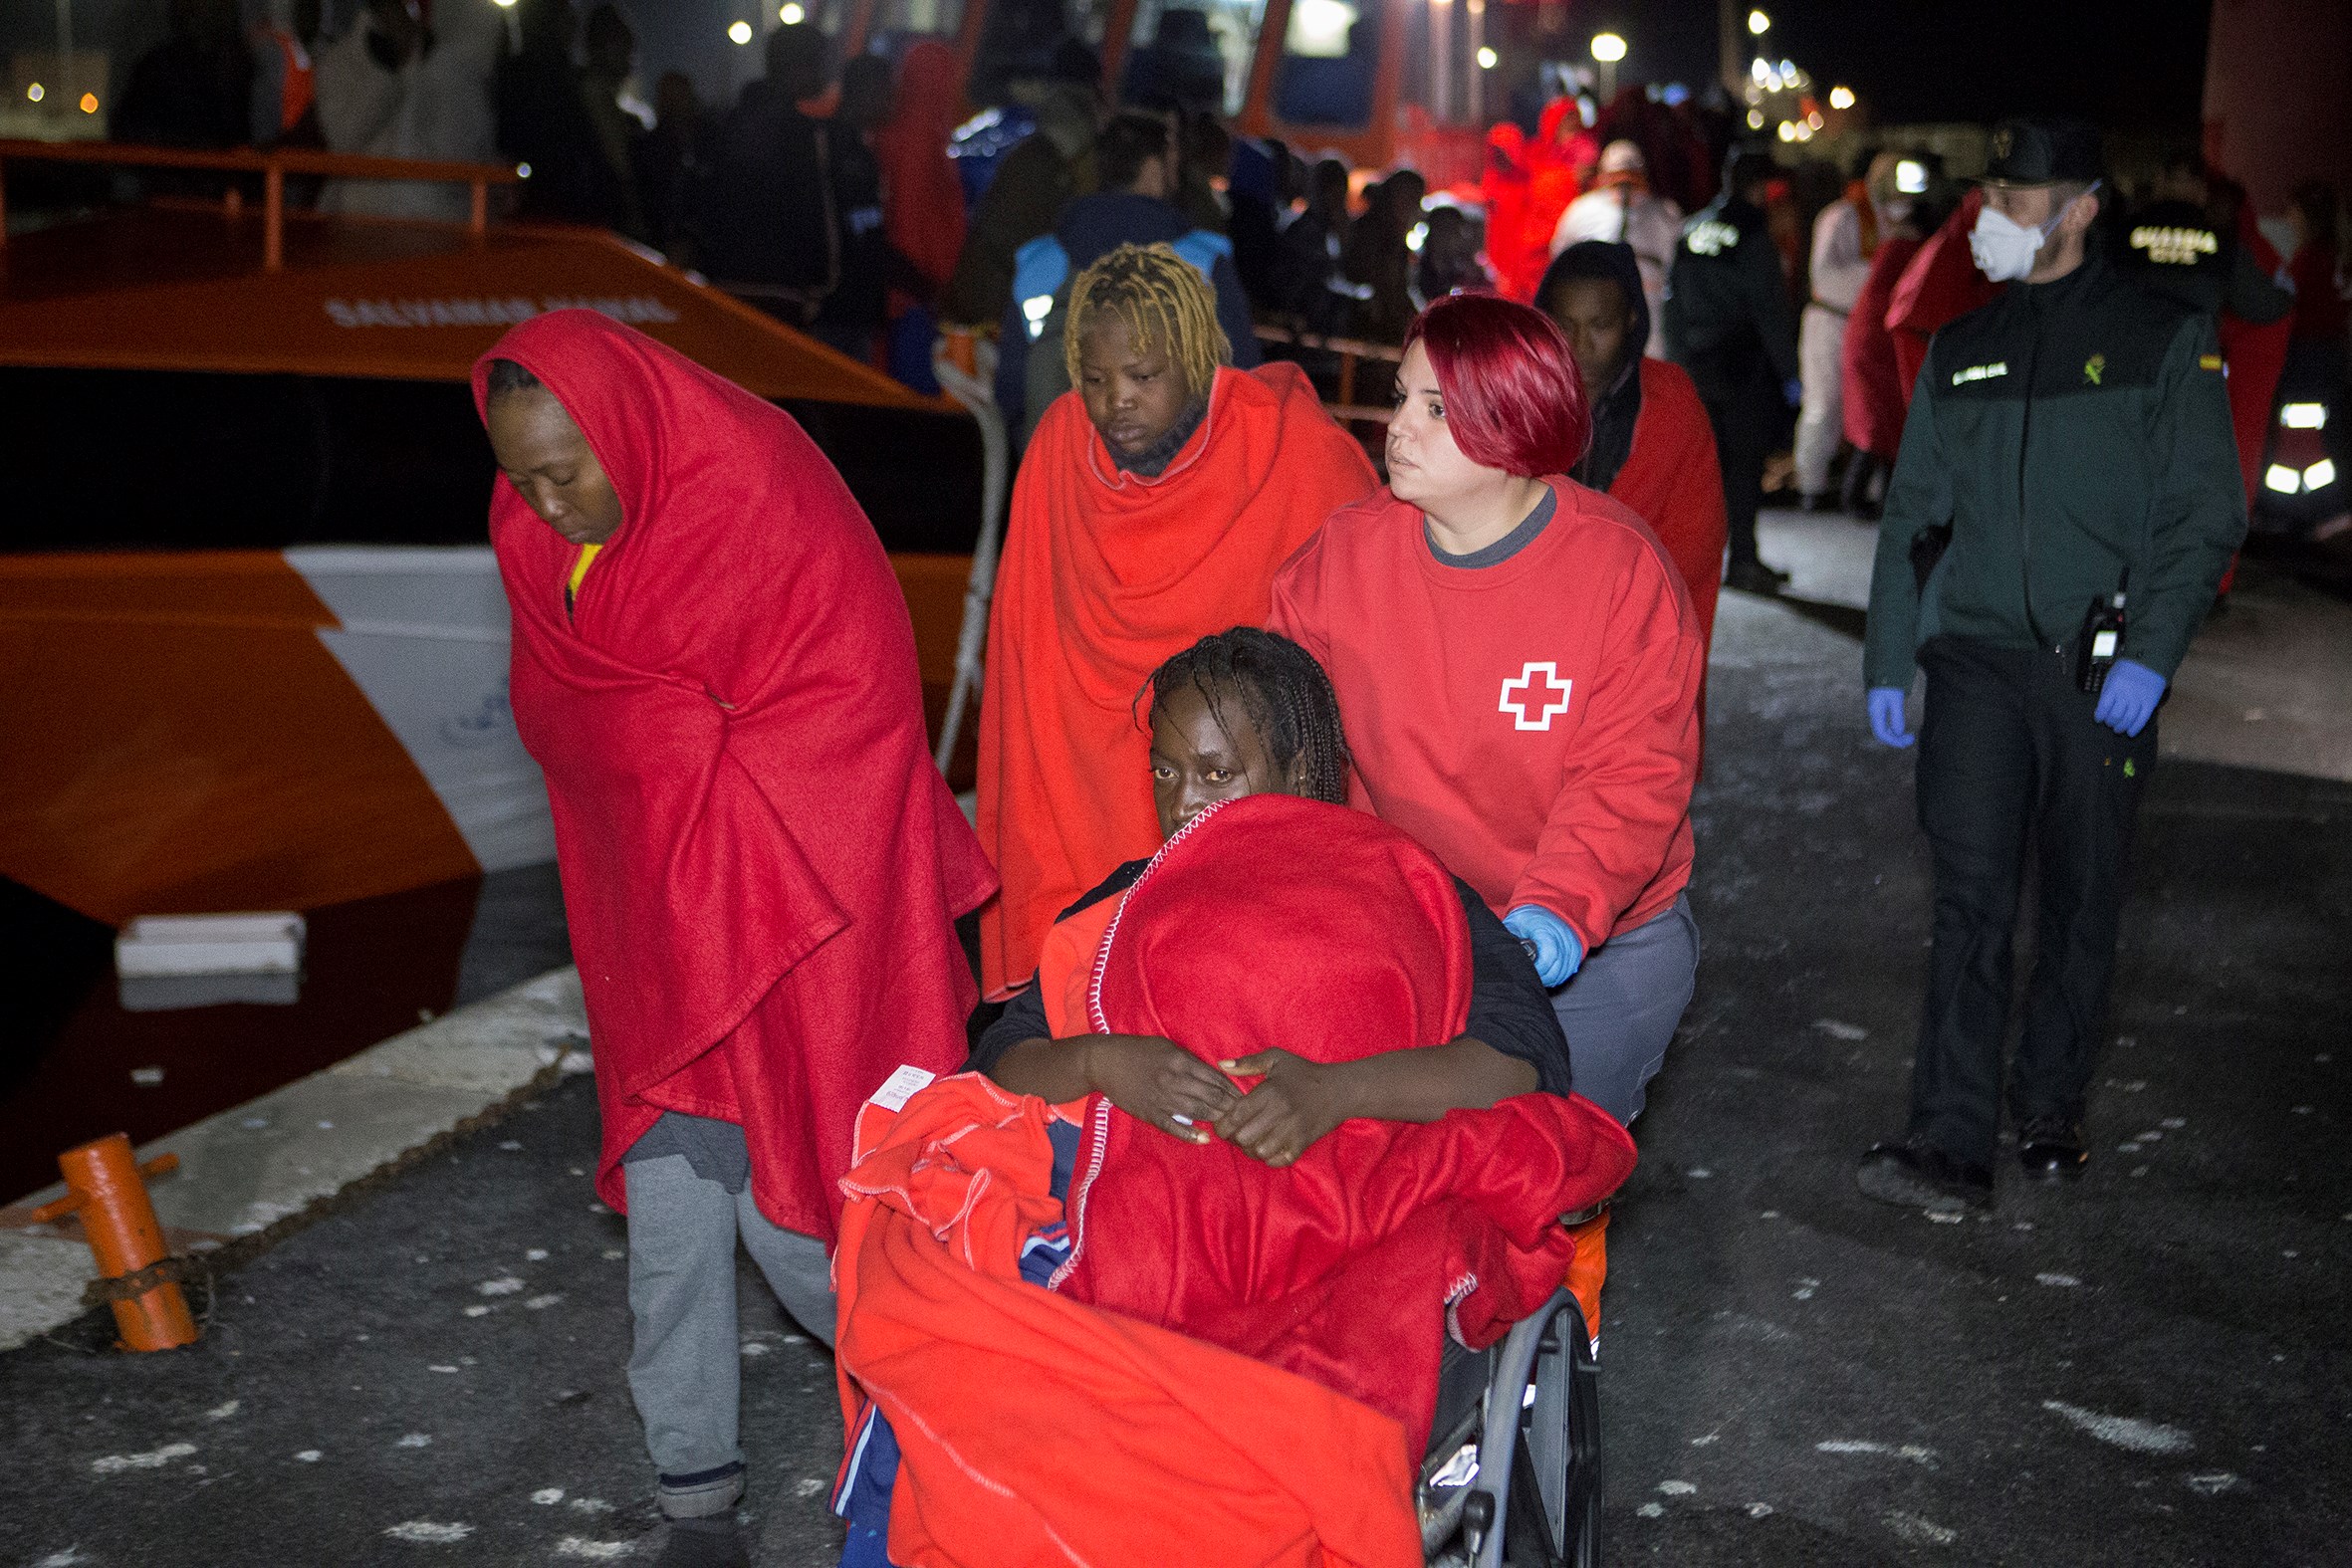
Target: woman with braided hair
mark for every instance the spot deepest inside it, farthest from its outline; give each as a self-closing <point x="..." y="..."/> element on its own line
<point x="1153" y="506"/>
<point x="1247" y="712"/>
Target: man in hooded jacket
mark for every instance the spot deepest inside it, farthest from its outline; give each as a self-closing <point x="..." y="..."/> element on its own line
<point x="1652" y="447"/>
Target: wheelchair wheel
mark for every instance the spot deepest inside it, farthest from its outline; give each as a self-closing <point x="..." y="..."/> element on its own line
<point x="1516" y="1481"/>
<point x="1554" y="1520"/>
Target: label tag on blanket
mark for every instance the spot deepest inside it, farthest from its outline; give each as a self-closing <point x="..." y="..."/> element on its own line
<point x="900" y="1087"/>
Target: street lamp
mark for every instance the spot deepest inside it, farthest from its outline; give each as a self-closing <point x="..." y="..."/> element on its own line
<point x="1841" y="97"/>
<point x="1759" y="24"/>
<point x="738" y="33"/>
<point x="1608" y="48"/>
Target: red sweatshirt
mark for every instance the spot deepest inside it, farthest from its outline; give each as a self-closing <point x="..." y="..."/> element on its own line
<point x="1534" y="721"/>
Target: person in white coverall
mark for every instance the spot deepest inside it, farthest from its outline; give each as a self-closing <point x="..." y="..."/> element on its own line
<point x="1621" y="209"/>
<point x="1845" y="236"/>
<point x="397" y="85"/>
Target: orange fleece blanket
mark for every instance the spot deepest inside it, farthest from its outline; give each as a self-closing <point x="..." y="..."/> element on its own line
<point x="1034" y="1429"/>
<point x="1104" y="575"/>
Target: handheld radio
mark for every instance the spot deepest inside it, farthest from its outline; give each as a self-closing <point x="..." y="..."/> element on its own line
<point x="2102" y="641"/>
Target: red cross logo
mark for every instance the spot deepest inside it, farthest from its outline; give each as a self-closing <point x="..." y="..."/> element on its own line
<point x="1554" y="703"/>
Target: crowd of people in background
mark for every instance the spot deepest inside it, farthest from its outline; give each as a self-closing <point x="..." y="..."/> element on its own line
<point x="826" y="194"/>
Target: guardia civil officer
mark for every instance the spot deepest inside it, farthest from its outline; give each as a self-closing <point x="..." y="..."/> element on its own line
<point x="2065" y="502"/>
<point x="2173" y="245"/>
<point x="1729" y="323"/>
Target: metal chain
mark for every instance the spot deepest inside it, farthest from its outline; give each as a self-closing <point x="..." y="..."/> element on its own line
<point x="130" y="1287"/>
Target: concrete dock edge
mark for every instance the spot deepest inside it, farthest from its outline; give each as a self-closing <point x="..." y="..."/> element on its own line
<point x="258" y="1170"/>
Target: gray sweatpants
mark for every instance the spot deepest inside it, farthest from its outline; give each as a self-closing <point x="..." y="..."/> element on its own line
<point x="1620" y="1008"/>
<point x="686" y="1368"/>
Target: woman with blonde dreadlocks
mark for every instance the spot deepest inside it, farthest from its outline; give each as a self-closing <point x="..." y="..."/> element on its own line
<point x="1154" y="505"/>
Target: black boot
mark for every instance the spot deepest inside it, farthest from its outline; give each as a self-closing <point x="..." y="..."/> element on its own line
<point x="2050" y="1149"/>
<point x="1861" y="474"/>
<point x="1754" y="577"/>
<point x="1915" y="1174"/>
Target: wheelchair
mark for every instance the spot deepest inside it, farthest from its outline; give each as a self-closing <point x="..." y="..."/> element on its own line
<point x="1512" y="1474"/>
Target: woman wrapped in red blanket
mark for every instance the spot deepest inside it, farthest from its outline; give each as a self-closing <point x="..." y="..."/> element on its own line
<point x="761" y="868"/>
<point x="1324" y="1176"/>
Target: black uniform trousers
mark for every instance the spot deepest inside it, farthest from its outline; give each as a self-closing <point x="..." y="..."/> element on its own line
<point x="1749" y="418"/>
<point x="2011" y="757"/>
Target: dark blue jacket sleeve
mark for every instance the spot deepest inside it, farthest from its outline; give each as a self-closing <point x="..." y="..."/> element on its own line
<point x="1233" y="314"/>
<point x="1013" y="366"/>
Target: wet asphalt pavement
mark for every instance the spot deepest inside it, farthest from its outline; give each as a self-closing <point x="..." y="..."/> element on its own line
<point x="434" y="1374"/>
<point x="2144" y="1369"/>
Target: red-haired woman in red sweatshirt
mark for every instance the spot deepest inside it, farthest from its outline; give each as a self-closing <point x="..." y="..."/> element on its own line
<point x="1519" y="664"/>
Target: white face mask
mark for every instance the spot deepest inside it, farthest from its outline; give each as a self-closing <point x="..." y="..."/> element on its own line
<point x="2005" y="248"/>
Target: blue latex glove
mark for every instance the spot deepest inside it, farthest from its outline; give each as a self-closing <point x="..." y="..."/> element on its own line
<point x="1795" y="391"/>
<point x="1558" y="952"/>
<point x="1886" y="716"/>
<point x="2128" y="701"/>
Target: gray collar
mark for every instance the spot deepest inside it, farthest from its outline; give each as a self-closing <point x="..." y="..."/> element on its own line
<point x="1505" y="548"/>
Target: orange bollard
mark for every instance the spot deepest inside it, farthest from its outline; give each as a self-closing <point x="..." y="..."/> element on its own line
<point x="103" y="1187"/>
<point x="1589" y="1268"/>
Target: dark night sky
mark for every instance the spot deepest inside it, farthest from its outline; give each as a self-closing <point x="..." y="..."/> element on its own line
<point x="2127" y="64"/>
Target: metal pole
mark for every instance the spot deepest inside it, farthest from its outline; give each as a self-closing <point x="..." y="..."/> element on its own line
<point x="273" y="217"/>
<point x="1274" y="27"/>
<point x="966" y="387"/>
<point x="1477" y="101"/>
<point x="1118" y="33"/>
<point x="65" y="47"/>
<point x="1731" y="45"/>
<point x="1441" y="60"/>
<point x="858" y="29"/>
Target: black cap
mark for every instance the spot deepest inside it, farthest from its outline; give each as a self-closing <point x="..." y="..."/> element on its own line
<point x="2043" y="153"/>
<point x="1747" y="164"/>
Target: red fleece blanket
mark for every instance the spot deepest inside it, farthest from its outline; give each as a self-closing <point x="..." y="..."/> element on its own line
<point x="1673" y="480"/>
<point x="2257" y="356"/>
<point x="1939" y="286"/>
<point x="1105" y="574"/>
<point x="1873" y="395"/>
<point x="761" y="865"/>
<point x="1035" y="1430"/>
<point x="1274" y="921"/>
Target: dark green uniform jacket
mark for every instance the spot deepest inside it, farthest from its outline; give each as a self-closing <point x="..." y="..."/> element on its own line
<point x="2173" y="247"/>
<point x="2066" y="433"/>
<point x="1727" y="321"/>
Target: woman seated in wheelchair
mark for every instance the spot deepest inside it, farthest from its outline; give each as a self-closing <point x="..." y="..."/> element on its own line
<point x="1285" y="1109"/>
<point x="1244" y="713"/>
